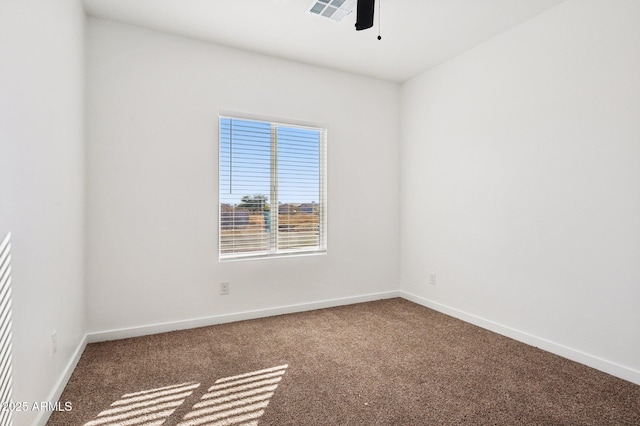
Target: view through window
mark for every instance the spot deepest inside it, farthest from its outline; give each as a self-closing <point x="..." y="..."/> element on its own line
<point x="272" y="188"/>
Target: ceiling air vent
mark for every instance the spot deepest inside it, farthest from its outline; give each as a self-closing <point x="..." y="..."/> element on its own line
<point x="334" y="9"/>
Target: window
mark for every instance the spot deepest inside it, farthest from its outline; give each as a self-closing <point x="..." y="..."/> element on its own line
<point x="272" y="188"/>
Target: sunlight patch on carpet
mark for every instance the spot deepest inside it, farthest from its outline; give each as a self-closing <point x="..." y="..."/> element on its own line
<point x="236" y="400"/>
<point x="149" y="407"/>
<point x="231" y="401"/>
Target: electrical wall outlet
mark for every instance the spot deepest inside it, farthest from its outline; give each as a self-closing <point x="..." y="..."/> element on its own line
<point x="54" y="342"/>
<point x="432" y="279"/>
<point x="224" y="288"/>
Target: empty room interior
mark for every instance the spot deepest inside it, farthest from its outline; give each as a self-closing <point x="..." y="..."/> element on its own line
<point x="472" y="161"/>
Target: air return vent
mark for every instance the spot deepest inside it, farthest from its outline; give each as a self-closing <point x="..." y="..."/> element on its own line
<point x="334" y="9"/>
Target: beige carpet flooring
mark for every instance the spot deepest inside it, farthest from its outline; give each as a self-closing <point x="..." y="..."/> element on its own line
<point x="388" y="362"/>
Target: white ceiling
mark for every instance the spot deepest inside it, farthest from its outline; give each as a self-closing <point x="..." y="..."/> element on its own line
<point x="416" y="34"/>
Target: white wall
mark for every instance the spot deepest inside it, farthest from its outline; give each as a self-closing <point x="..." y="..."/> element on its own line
<point x="42" y="188"/>
<point x="153" y="103"/>
<point x="520" y="184"/>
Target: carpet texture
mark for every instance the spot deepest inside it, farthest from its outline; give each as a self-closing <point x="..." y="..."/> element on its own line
<point x="389" y="362"/>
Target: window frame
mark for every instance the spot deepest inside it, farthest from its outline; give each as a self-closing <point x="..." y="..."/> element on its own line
<point x="274" y="251"/>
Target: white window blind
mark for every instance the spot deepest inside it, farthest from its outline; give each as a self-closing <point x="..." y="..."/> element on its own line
<point x="272" y="188"/>
<point x="5" y="332"/>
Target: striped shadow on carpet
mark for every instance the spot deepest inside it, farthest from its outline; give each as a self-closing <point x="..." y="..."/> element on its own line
<point x="236" y="400"/>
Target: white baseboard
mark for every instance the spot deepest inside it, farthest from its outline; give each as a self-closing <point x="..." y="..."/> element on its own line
<point x="124" y="333"/>
<point x="55" y="394"/>
<point x="598" y="363"/>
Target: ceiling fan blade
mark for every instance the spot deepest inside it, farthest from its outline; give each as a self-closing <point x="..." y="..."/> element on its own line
<point x="364" y="15"/>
